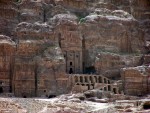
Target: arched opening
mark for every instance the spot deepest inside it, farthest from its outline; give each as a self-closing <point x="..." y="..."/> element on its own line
<point x="70" y="71"/>
<point x="100" y="79"/>
<point x="95" y="79"/>
<point x="85" y="78"/>
<point x="81" y="79"/>
<point x="77" y="84"/>
<point x="108" y="81"/>
<point x="1" y="90"/>
<point x="109" y="88"/>
<point x="83" y="84"/>
<point x="91" y="79"/>
<point x="105" y="80"/>
<point x="114" y="90"/>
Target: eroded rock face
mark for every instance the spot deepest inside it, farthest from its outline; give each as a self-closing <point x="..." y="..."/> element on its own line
<point x="110" y="31"/>
<point x="8" y="17"/>
<point x="122" y="27"/>
<point x="31" y="11"/>
<point x="51" y="39"/>
<point x="142" y="11"/>
<point x="38" y="56"/>
<point x="111" y="66"/>
<point x="7" y="52"/>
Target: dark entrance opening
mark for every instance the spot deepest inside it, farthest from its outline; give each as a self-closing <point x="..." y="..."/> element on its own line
<point x="109" y="88"/>
<point x="24" y="96"/>
<point x="100" y="79"/>
<point x="70" y="71"/>
<point x="70" y="63"/>
<point x="51" y="96"/>
<point x="1" y="90"/>
<point x="114" y="90"/>
<point x="146" y="106"/>
<point x="10" y="89"/>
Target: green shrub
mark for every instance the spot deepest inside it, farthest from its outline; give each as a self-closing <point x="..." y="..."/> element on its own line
<point x="82" y="20"/>
<point x="17" y="1"/>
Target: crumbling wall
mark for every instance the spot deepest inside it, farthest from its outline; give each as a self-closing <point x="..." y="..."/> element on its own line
<point x="136" y="80"/>
<point x="84" y="82"/>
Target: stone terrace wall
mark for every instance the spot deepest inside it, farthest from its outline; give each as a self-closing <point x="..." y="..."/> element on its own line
<point x="84" y="82"/>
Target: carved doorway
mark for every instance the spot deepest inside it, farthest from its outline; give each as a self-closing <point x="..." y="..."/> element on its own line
<point x="1" y="90"/>
<point x="70" y="71"/>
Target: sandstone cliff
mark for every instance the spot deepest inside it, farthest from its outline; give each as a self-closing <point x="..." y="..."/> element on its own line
<point x="43" y="42"/>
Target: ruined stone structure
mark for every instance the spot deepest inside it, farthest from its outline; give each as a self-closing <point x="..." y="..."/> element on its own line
<point x="84" y="82"/>
<point x="136" y="80"/>
<point x="50" y="47"/>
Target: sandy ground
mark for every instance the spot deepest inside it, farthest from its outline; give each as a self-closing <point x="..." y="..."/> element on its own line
<point x="36" y="105"/>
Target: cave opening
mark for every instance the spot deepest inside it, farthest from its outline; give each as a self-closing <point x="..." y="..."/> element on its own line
<point x="24" y="96"/>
